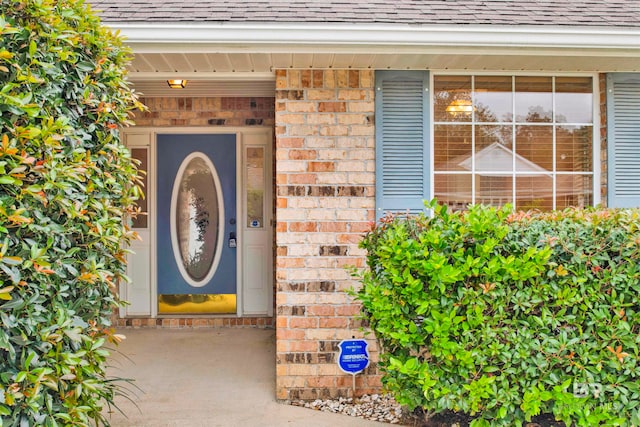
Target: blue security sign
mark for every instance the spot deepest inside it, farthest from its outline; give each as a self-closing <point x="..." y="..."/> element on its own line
<point x="353" y="356"/>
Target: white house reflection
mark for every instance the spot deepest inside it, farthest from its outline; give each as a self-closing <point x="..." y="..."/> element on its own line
<point x="494" y="181"/>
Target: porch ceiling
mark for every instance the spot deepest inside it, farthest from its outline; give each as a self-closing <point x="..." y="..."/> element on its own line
<point x="209" y="65"/>
<point x="223" y="58"/>
<point x="253" y="74"/>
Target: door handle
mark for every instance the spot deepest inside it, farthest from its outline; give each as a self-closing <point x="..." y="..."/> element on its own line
<point x="232" y="240"/>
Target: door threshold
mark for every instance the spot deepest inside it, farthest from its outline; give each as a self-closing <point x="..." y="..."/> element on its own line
<point x="199" y="321"/>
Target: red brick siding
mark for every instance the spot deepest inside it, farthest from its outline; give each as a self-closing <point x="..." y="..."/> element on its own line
<point x="325" y="172"/>
<point x="603" y="138"/>
<point x="210" y="111"/>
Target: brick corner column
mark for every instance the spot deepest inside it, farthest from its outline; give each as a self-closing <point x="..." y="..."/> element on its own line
<point x="325" y="172"/>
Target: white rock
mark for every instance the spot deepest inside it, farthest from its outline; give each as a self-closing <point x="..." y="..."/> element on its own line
<point x="374" y="407"/>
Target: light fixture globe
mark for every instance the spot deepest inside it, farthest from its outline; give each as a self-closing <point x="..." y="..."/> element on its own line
<point x="177" y="83"/>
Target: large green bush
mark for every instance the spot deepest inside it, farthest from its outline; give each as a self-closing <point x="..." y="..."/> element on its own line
<point x="66" y="184"/>
<point x="506" y="316"/>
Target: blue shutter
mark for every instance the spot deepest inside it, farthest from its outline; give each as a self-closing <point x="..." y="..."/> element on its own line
<point x="623" y="138"/>
<point x="402" y="141"/>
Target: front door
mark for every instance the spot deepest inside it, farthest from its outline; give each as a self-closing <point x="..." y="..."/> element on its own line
<point x="196" y="223"/>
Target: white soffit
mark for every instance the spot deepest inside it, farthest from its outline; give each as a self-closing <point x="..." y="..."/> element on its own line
<point x="240" y="56"/>
<point x="260" y="66"/>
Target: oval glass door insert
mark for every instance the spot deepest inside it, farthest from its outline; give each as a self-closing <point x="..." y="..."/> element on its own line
<point x="197" y="219"/>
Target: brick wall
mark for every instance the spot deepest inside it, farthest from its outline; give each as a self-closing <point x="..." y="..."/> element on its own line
<point x="325" y="170"/>
<point x="603" y="138"/>
<point x="209" y="111"/>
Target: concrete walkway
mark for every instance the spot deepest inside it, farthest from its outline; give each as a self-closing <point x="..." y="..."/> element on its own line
<point x="207" y="377"/>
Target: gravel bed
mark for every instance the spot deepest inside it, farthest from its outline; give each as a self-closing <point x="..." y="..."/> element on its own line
<point x="373" y="407"/>
<point x="384" y="408"/>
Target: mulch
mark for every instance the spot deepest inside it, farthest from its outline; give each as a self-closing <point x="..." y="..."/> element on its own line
<point x="454" y="419"/>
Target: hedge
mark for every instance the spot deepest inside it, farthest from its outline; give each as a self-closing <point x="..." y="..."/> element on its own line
<point x="66" y="185"/>
<point x="504" y="316"/>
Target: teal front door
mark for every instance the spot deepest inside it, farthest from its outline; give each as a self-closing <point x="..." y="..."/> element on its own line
<point x="196" y="223"/>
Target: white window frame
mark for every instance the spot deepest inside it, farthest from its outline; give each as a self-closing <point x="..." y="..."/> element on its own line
<point x="596" y="158"/>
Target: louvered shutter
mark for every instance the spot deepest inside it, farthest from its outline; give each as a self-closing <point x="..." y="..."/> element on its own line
<point x="402" y="141"/>
<point x="623" y="136"/>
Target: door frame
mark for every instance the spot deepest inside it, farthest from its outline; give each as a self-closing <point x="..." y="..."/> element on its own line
<point x="243" y="139"/>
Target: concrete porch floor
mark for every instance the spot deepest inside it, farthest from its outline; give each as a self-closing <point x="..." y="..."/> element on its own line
<point x="206" y="377"/>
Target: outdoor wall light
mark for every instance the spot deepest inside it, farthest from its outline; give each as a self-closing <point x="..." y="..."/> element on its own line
<point x="177" y="83"/>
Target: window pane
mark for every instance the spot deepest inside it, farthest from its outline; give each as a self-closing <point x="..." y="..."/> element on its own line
<point x="527" y="132"/>
<point x="494" y="148"/>
<point x="493" y="99"/>
<point x="495" y="190"/>
<point x="574" y="190"/>
<point x="452" y="99"/>
<point x="452" y="147"/>
<point x="255" y="187"/>
<point x="574" y="101"/>
<point x="534" y="192"/>
<point x="196" y="210"/>
<point x="141" y="220"/>
<point x="534" y="148"/>
<point x="574" y="148"/>
<point x="533" y="99"/>
<point x="453" y="190"/>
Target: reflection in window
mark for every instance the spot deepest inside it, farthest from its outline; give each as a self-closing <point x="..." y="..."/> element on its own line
<point x="493" y="99"/>
<point x="493" y="149"/>
<point x="453" y="190"/>
<point x="141" y="220"/>
<point x="534" y="192"/>
<point x="255" y="187"/>
<point x="197" y="218"/>
<point x="521" y="142"/>
<point x="452" y="99"/>
<point x="574" y="148"/>
<point x="574" y="190"/>
<point x="574" y="103"/>
<point x="494" y="190"/>
<point x="534" y="148"/>
<point x="452" y="144"/>
<point x="533" y="99"/>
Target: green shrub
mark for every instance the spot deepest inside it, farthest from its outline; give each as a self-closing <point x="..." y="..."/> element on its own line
<point x="66" y="184"/>
<point x="506" y="316"/>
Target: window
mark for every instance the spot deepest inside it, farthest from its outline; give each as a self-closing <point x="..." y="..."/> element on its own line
<point x="141" y="154"/>
<point x="525" y="140"/>
<point x="255" y="179"/>
<point x="513" y="139"/>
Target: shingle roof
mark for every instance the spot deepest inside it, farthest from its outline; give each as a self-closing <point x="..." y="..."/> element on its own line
<point x="607" y="13"/>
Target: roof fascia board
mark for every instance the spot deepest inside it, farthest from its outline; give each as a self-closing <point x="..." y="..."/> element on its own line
<point x="148" y="37"/>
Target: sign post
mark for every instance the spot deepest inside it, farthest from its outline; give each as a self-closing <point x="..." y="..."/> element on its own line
<point x="353" y="357"/>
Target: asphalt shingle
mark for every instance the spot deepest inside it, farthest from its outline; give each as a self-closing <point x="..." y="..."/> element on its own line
<point x="606" y="13"/>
